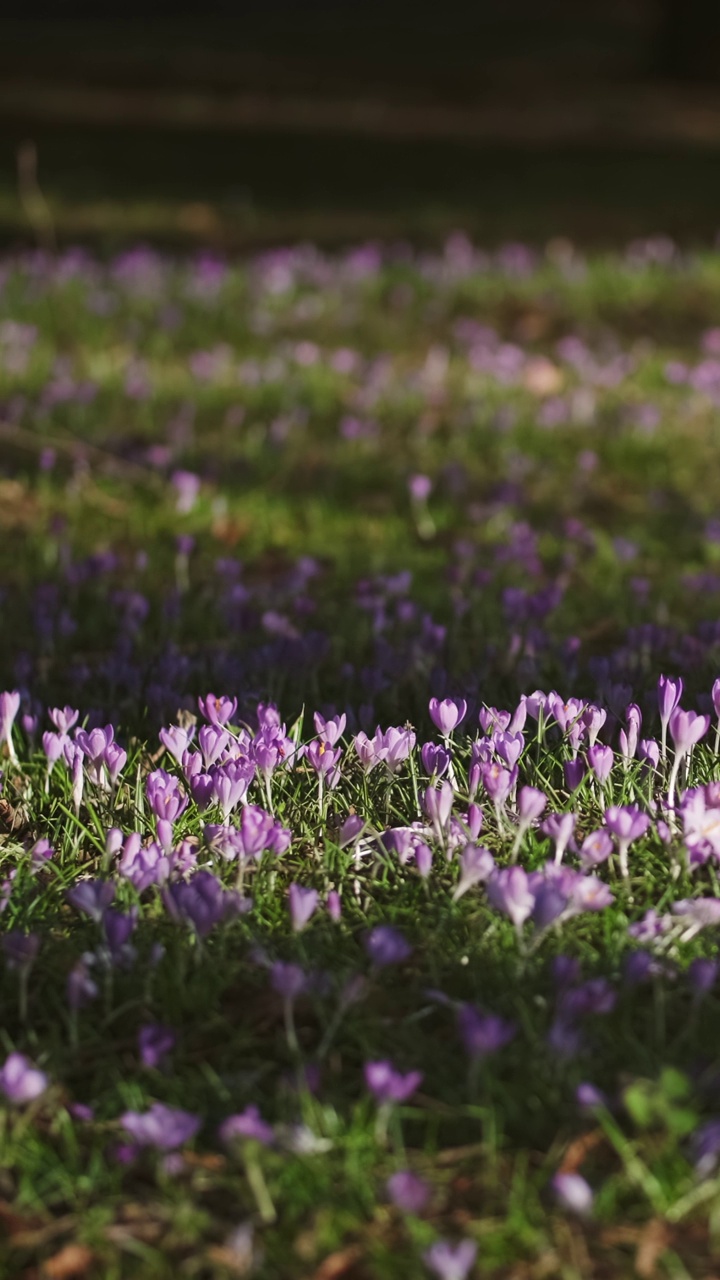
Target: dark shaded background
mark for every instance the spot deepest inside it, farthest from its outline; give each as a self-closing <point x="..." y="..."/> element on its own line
<point x="248" y="123"/>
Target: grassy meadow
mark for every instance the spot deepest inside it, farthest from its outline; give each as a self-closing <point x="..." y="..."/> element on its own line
<point x="359" y="810"/>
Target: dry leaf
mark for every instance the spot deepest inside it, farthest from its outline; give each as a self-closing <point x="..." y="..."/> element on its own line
<point x="580" y="1149"/>
<point x="338" y="1264"/>
<point x="71" y="1261"/>
<point x="652" y="1244"/>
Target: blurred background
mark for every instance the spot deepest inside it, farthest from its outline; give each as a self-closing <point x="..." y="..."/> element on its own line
<point x="238" y="125"/>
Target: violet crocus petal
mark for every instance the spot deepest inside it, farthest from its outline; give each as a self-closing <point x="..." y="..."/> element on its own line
<point x="20" y="1081"/>
<point x="246" y="1126"/>
<point x="303" y="904"/>
<point x="162" y="1127"/>
<point x="409" y="1193"/>
<point x="573" y="1193"/>
<point x="386" y="945"/>
<point x="451" y="1262"/>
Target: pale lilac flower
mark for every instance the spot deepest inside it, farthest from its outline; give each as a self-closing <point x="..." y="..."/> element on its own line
<point x="451" y="1262"/>
<point x="669" y="695"/>
<point x="219" y="711"/>
<point x="20" y="1081"/>
<point x="559" y="826"/>
<point x="91" y="897"/>
<point x="627" y="823"/>
<point x="176" y="740"/>
<point x="509" y="747"/>
<point x="162" y="1127"/>
<point x="573" y="1193"/>
<point x="531" y="805"/>
<point x="483" y="1033"/>
<point x="649" y="751"/>
<point x="600" y="759"/>
<point x="246" y="1126"/>
<point x="435" y="759"/>
<point x="687" y="728"/>
<point x="409" y="1193"/>
<point x="81" y="988"/>
<point x="303" y="904"/>
<point x="476" y="866"/>
<point x="629" y="738"/>
<point x="64" y="718"/>
<point x="388" y="1085"/>
<point x="706" y="1148"/>
<point x="420" y="488"/>
<point x="508" y="891"/>
<point x="155" y="1042"/>
<point x="9" y="707"/>
<point x="697" y="914"/>
<point x="386" y="945"/>
<point x="331" y="730"/>
<point x="438" y="803"/>
<point x="595" y="849"/>
<point x="447" y="714"/>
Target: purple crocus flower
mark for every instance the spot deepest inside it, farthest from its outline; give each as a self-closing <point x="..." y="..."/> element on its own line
<point x="573" y="1193"/>
<point x="476" y="866"/>
<point x="483" y="1033"/>
<point x="595" y="849"/>
<point x="218" y="711"/>
<point x="702" y="975"/>
<point x="419" y="488"/>
<point x="118" y="928"/>
<point x="629" y="739"/>
<point x="600" y="759"/>
<point x="508" y="891"/>
<point x="176" y="740"/>
<point x="165" y="796"/>
<point x="330" y="731"/>
<point x="649" y="752"/>
<point x="81" y="988"/>
<point x="162" y="1127"/>
<point x="20" y="1081"/>
<point x="20" y="949"/>
<point x="386" y="945"/>
<point x="706" y="1148"/>
<point x="451" y="1262"/>
<point x="509" y="747"/>
<point x="389" y="1086"/>
<point x="438" y="802"/>
<point x="94" y="746"/>
<point x="559" y="826"/>
<point x="435" y="759"/>
<point x="409" y="1193"/>
<point x="213" y="740"/>
<point x="322" y="757"/>
<point x="53" y="745"/>
<point x="155" y="1042"/>
<point x="288" y="980"/>
<point x="229" y="784"/>
<point x="573" y="771"/>
<point x="669" y="695"/>
<point x="201" y="902"/>
<point x="448" y="714"/>
<point x="498" y="783"/>
<point x="303" y="904"/>
<point x="687" y="728"/>
<point x="246" y="1126"/>
<point x="627" y="823"/>
<point x="9" y="707"/>
<point x="91" y="897"/>
<point x="63" y="718"/>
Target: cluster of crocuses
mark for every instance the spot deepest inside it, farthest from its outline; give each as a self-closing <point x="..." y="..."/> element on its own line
<point x="476" y="821"/>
